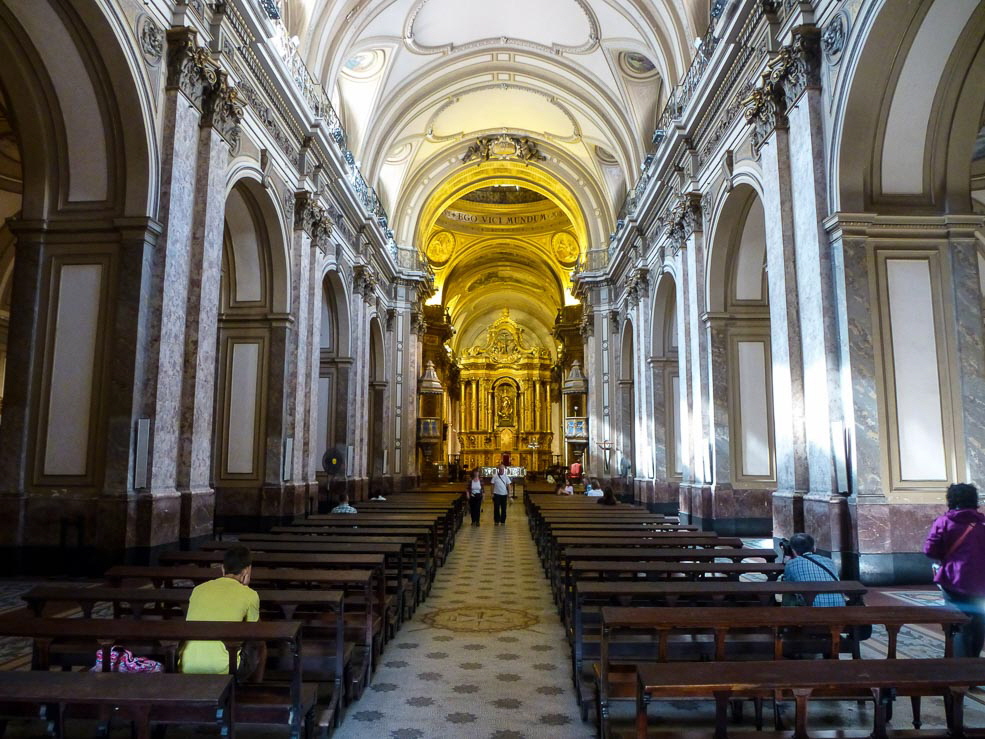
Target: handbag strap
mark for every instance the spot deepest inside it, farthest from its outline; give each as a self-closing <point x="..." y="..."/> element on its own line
<point x="821" y="565"/>
<point x="960" y="539"/>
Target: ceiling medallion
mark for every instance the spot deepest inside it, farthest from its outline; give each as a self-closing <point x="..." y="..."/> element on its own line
<point x="503" y="148"/>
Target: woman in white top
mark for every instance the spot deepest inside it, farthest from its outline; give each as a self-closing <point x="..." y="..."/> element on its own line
<point x="473" y="492"/>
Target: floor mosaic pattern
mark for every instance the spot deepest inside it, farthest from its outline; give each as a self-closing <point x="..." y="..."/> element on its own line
<point x="484" y="657"/>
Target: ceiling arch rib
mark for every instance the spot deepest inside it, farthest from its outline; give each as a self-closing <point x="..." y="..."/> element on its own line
<point x="565" y="51"/>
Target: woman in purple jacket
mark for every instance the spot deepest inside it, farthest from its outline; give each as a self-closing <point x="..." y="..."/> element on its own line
<point x="957" y="539"/>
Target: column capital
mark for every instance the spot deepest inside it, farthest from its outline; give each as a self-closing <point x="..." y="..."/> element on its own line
<point x="683" y="219"/>
<point x="221" y="109"/>
<point x="311" y="218"/>
<point x="191" y="68"/>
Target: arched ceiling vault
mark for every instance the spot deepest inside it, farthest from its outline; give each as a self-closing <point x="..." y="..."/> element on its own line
<point x="419" y="80"/>
<point x="433" y="92"/>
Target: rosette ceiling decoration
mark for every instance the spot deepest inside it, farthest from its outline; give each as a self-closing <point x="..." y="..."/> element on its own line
<point x="501" y="136"/>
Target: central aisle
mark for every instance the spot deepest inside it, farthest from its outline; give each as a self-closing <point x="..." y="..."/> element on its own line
<point x="484" y="657"/>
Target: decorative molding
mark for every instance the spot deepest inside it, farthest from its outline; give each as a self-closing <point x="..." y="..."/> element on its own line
<point x="268" y="118"/>
<point x="152" y="39"/>
<point x="503" y="148"/>
<point x="795" y="68"/>
<point x="221" y="109"/>
<point x="191" y="68"/>
<point x="364" y="277"/>
<point x="590" y="44"/>
<point x="575" y="136"/>
<point x="798" y="66"/>
<point x="311" y="218"/>
<point x="683" y="219"/>
<point x="834" y="37"/>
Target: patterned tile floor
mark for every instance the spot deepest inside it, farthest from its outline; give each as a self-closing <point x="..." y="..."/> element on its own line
<point x="485" y="656"/>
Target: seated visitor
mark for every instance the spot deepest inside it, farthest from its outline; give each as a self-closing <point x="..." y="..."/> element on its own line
<point x="378" y="495"/>
<point x="227" y="598"/>
<point x="608" y="498"/>
<point x="803" y="565"/>
<point x="559" y="489"/>
<point x="343" y="506"/>
<point x="957" y="540"/>
<point x="593" y="489"/>
<point x="569" y="488"/>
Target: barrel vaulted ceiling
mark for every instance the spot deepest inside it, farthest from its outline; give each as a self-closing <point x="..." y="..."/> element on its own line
<point x="416" y="81"/>
<point x="575" y="84"/>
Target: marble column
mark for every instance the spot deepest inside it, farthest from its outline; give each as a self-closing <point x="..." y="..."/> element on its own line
<point x="220" y="121"/>
<point x="824" y="505"/>
<point x="770" y="135"/>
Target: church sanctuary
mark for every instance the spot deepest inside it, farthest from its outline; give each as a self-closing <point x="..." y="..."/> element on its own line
<point x="470" y="369"/>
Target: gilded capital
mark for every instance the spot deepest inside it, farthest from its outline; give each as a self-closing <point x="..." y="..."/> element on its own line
<point x="190" y="66"/>
<point x="765" y="109"/>
<point x="222" y="110"/>
<point x="798" y="66"/>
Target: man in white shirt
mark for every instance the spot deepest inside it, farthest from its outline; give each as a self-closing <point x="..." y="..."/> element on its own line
<point x="501" y="491"/>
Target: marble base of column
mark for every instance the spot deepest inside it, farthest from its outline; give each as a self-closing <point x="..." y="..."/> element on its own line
<point x="788" y="513"/>
<point x="695" y="504"/>
<point x="827" y="519"/>
<point x="83" y="534"/>
<point x="197" y="515"/>
<point x="890" y="540"/>
<point x="739" y="511"/>
<point x="255" y="509"/>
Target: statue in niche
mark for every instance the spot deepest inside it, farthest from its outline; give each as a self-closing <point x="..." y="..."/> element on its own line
<point x="505" y="406"/>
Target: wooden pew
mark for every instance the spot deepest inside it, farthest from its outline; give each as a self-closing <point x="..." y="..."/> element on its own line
<point x="616" y="672"/>
<point x="562" y="578"/>
<point x="360" y="582"/>
<point x="157" y="697"/>
<point x="670" y="593"/>
<point x="399" y="557"/>
<point x="293" y="704"/>
<point x="347" y="527"/>
<point x="723" y="681"/>
<point x="308" y="606"/>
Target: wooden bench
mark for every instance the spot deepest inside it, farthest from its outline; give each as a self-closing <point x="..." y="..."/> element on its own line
<point x="360" y="582"/>
<point x="158" y="697"/>
<point x="731" y="627"/>
<point x="427" y="541"/>
<point x="292" y="702"/>
<point x="670" y="593"/>
<point x="882" y="679"/>
<point x="399" y="557"/>
<point x="562" y="577"/>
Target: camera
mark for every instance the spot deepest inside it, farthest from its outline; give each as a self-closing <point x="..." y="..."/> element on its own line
<point x="785" y="547"/>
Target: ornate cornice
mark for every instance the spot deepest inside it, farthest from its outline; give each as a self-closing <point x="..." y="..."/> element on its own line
<point x="586" y="327"/>
<point x="191" y="68"/>
<point x="221" y="109"/>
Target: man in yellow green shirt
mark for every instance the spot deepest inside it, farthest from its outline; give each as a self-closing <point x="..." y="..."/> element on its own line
<point x="227" y="598"/>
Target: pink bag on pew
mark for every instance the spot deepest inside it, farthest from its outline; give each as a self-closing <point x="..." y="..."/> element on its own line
<point x="123" y="660"/>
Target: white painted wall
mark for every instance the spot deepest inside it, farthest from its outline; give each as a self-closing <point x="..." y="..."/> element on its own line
<point x="72" y="368"/>
<point x="754" y="427"/>
<point x="914" y="362"/>
<point x="240" y="443"/>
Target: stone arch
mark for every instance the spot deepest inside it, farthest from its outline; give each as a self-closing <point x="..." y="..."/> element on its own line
<point x="334" y="371"/>
<point x="376" y="431"/>
<point x="665" y="381"/>
<point x="626" y="440"/>
<point x="90" y="164"/>
<point x="913" y="151"/>
<point x="245" y="183"/>
<point x="251" y="422"/>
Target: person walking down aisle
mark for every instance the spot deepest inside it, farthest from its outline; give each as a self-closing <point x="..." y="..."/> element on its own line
<point x="957" y="540"/>
<point x="501" y="491"/>
<point x="473" y="493"/>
